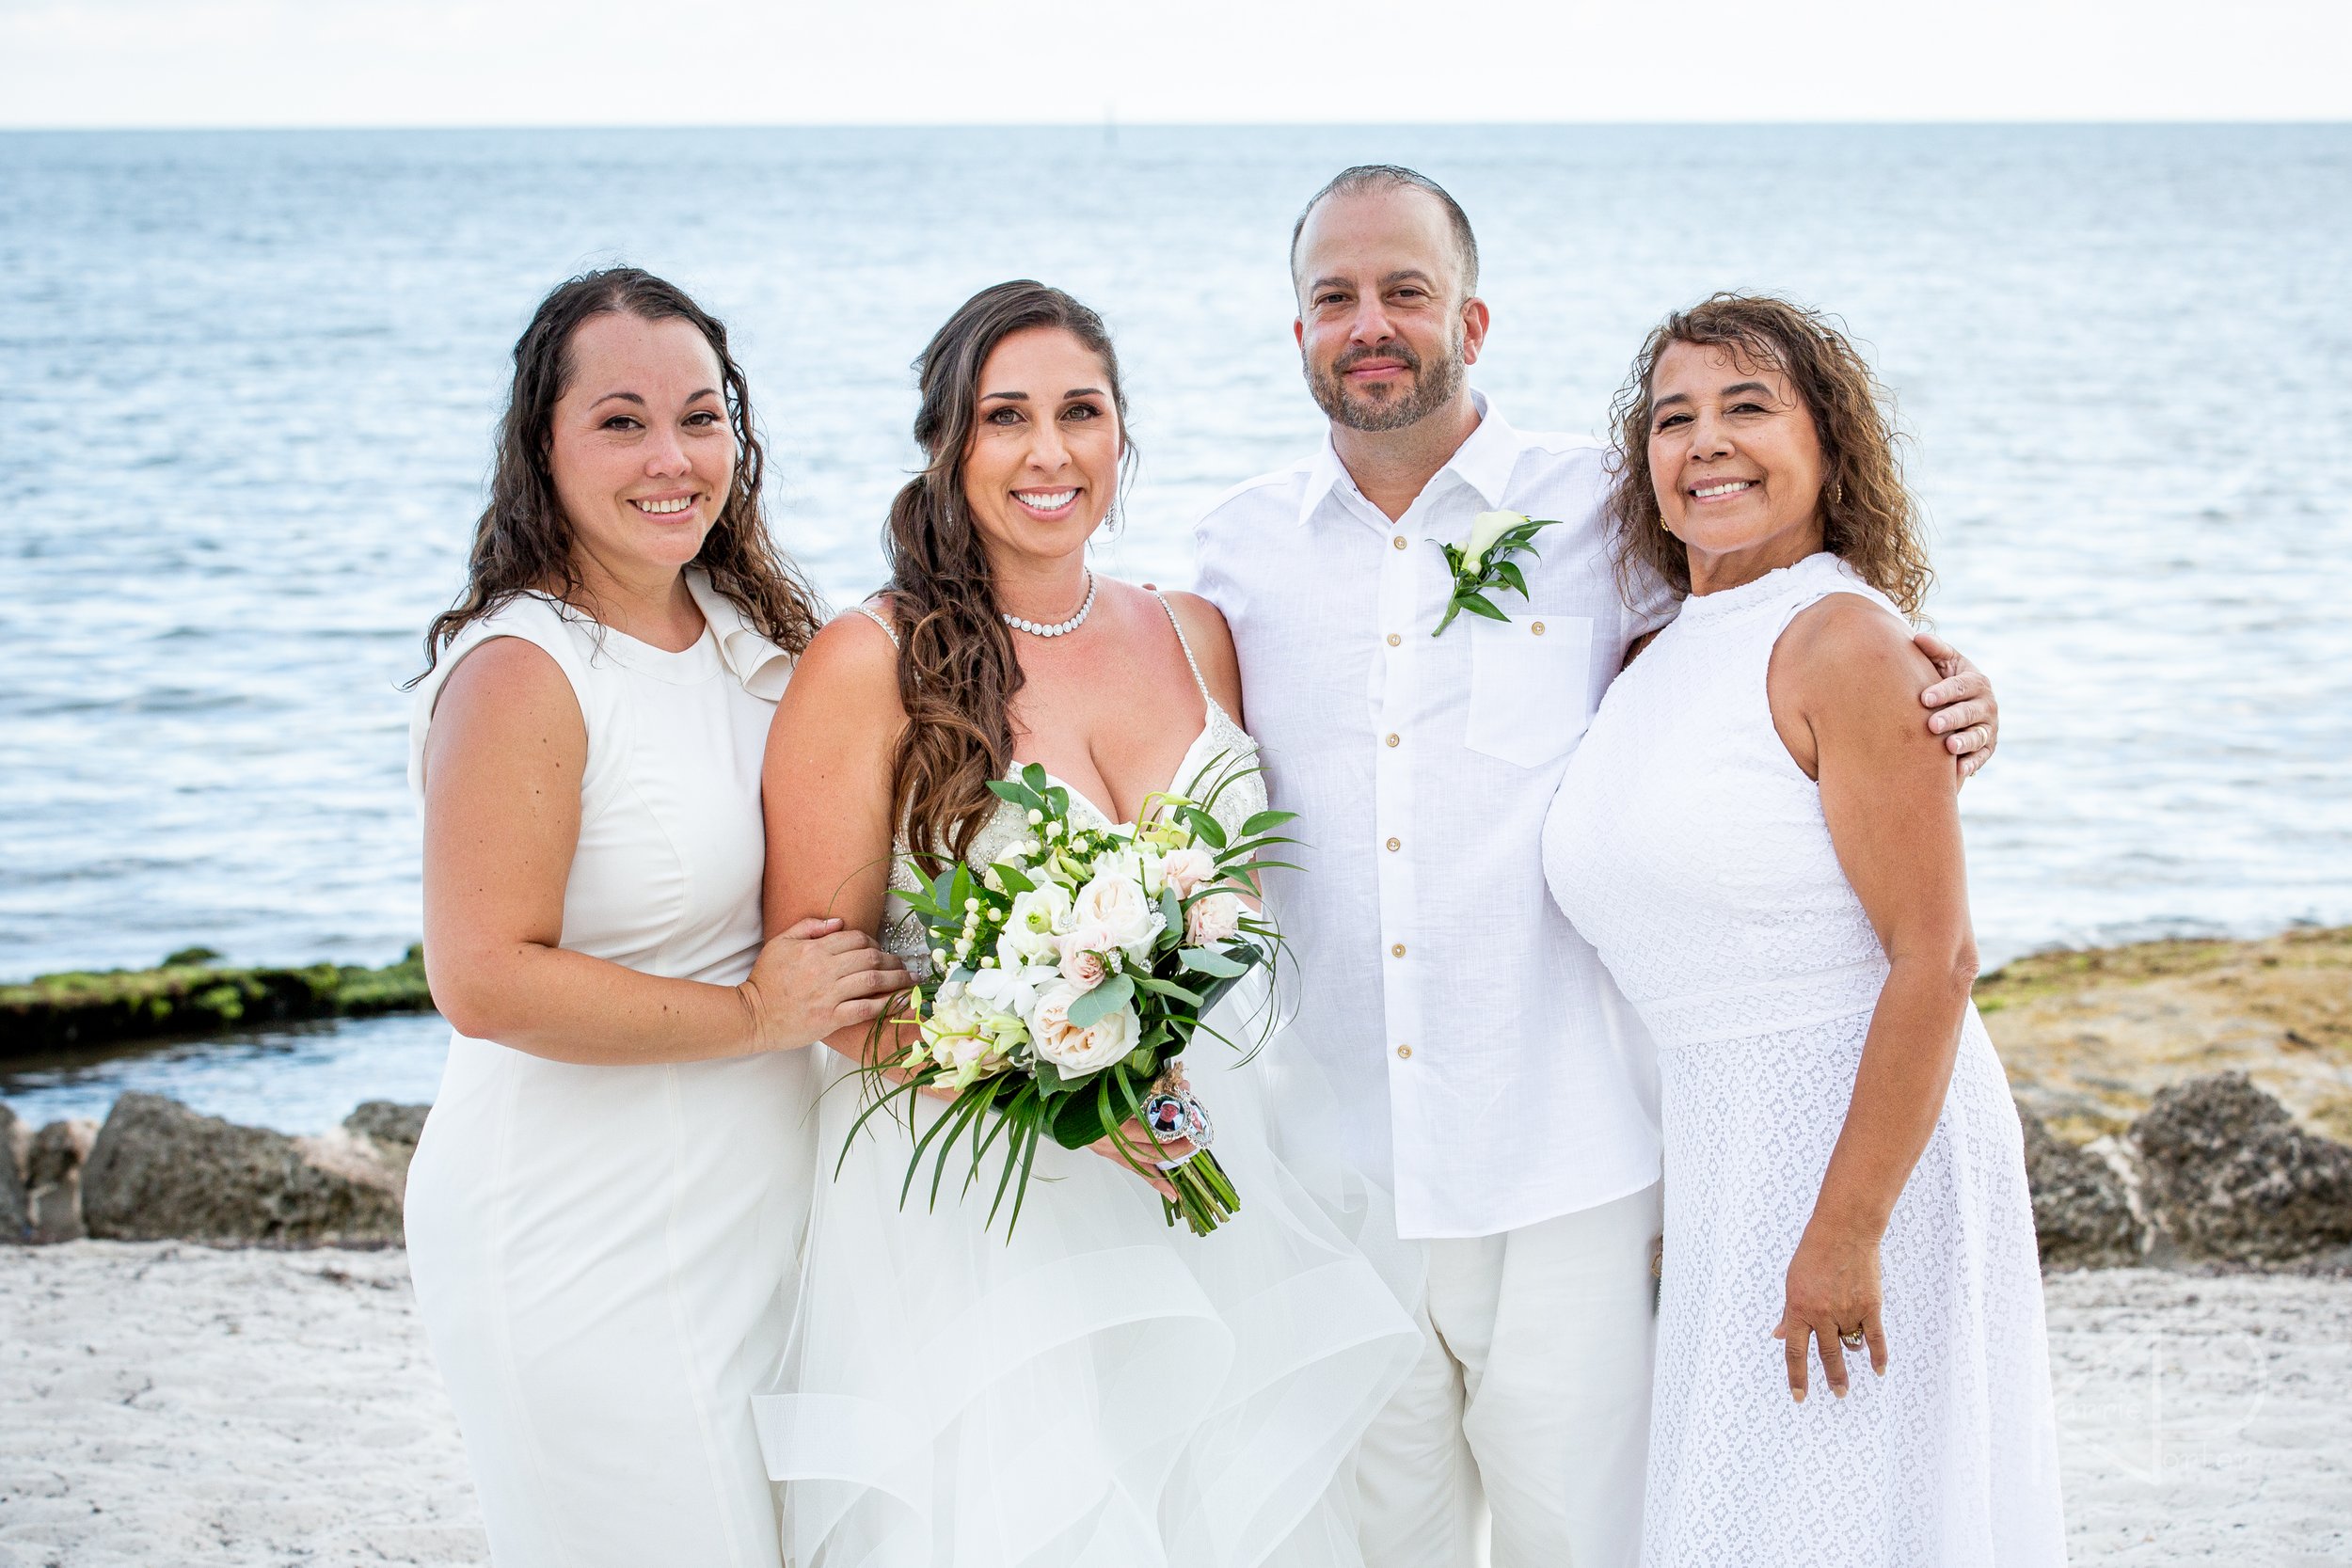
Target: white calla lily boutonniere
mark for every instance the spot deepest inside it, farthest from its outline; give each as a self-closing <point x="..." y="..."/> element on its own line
<point x="1482" y="564"/>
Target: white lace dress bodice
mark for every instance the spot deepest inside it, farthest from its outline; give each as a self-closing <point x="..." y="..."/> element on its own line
<point x="1692" y="851"/>
<point x="1092" y="1389"/>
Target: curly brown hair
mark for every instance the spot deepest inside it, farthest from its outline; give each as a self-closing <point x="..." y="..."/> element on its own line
<point x="1868" y="517"/>
<point x="957" y="672"/>
<point x="523" y="541"/>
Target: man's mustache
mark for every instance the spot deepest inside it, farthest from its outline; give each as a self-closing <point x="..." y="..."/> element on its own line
<point x="1356" y="357"/>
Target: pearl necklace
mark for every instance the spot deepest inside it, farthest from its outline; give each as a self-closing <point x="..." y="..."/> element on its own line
<point x="1062" y="628"/>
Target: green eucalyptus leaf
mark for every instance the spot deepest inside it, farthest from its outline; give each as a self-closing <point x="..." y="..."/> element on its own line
<point x="1207" y="961"/>
<point x="1165" y="988"/>
<point x="1102" y="1001"/>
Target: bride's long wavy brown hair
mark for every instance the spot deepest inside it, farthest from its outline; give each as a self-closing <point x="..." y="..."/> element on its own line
<point x="957" y="672"/>
<point x="1868" y="516"/>
<point x="523" y="541"/>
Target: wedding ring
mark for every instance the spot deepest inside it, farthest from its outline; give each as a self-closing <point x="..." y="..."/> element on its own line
<point x="1850" y="1338"/>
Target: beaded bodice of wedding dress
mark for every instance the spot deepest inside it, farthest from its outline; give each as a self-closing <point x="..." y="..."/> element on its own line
<point x="1220" y="767"/>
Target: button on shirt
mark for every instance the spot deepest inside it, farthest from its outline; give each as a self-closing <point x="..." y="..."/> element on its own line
<point x="1487" y="1070"/>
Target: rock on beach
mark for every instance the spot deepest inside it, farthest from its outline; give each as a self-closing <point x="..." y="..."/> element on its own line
<point x="2082" y="1208"/>
<point x="2231" y="1176"/>
<point x="160" y="1171"/>
<point x="16" y="1209"/>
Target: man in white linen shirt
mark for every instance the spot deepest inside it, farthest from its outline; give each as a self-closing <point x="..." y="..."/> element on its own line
<point x="1486" y="1071"/>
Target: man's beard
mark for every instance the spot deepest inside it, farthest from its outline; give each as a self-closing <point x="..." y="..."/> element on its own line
<point x="1430" y="391"/>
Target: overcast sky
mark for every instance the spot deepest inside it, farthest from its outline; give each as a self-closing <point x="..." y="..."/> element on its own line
<point x="638" y="62"/>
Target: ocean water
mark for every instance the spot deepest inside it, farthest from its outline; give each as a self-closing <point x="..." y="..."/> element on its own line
<point x="248" y="381"/>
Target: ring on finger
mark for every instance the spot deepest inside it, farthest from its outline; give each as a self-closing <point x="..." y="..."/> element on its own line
<point x="1850" y="1338"/>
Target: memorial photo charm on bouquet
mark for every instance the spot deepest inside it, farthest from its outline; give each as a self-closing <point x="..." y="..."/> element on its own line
<point x="1174" y="1114"/>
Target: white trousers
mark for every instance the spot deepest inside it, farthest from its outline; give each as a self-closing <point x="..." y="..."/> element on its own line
<point x="1530" y="1406"/>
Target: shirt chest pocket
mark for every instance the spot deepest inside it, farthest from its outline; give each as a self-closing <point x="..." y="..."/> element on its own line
<point x="1531" y="686"/>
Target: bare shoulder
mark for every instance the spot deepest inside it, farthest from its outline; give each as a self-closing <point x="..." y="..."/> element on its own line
<point x="1846" y="638"/>
<point x="509" y="694"/>
<point x="1211" y="644"/>
<point x="1203" y="623"/>
<point x="851" y="659"/>
<point x="1847" y="664"/>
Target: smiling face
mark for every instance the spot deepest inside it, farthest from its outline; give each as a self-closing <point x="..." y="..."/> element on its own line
<point x="1734" y="457"/>
<point x="640" y="447"/>
<point x="1385" y="331"/>
<point x="1042" y="466"/>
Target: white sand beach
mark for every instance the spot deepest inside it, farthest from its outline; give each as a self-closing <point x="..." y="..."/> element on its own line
<point x="166" y="1403"/>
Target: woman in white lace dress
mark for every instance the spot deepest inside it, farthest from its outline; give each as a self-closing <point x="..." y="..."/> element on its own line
<point x="1765" y="846"/>
<point x="1095" y="1387"/>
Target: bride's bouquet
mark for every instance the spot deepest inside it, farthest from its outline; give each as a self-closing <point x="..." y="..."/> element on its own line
<point x="1066" y="979"/>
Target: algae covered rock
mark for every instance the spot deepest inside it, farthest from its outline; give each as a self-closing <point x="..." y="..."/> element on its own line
<point x="2229" y="1175"/>
<point x="189" y="995"/>
<point x="160" y="1171"/>
<point x="2082" y="1215"/>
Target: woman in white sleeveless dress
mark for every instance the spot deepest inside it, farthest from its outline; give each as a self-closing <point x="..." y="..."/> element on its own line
<point x="1765" y="846"/>
<point x="1095" y="1387"/>
<point x="613" y="1181"/>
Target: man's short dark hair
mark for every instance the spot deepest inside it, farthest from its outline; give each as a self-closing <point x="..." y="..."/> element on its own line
<point x="1379" y="177"/>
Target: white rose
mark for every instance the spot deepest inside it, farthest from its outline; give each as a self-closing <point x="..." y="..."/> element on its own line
<point x="1080" y="1050"/>
<point x="1116" y="904"/>
<point x="1215" y="918"/>
<point x="1188" y="869"/>
<point x="1485" y="529"/>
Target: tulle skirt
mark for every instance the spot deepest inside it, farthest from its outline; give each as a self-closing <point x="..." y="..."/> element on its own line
<point x="1098" y="1389"/>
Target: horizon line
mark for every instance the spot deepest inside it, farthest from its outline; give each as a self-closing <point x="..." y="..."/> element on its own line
<point x="1113" y="124"/>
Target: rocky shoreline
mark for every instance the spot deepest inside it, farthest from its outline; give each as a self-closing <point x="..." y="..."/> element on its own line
<point x="2185" y="1104"/>
<point x="2216" y="1172"/>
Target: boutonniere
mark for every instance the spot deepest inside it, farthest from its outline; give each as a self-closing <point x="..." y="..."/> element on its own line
<point x="1481" y="566"/>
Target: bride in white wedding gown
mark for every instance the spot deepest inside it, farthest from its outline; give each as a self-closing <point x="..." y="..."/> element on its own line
<point x="1095" y="1387"/>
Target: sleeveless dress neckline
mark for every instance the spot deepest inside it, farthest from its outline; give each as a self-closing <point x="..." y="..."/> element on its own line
<point x="697" y="662"/>
<point x="1815" y="571"/>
